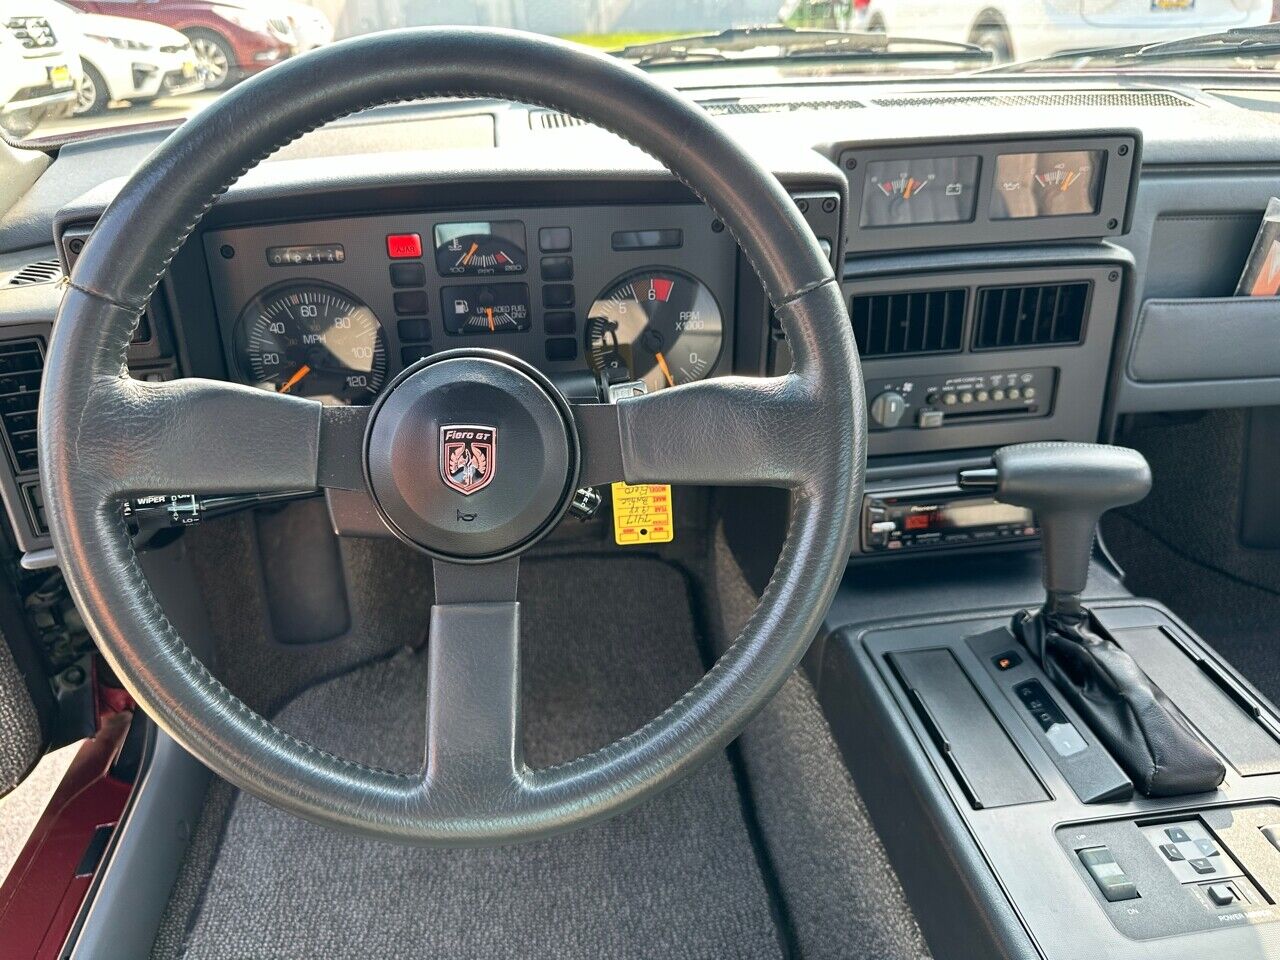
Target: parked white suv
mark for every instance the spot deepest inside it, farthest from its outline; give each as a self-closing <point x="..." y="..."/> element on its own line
<point x="131" y="60"/>
<point x="39" y="66"/>
<point x="1026" y="29"/>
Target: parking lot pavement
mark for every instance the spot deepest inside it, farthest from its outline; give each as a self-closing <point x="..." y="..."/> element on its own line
<point x="161" y="109"/>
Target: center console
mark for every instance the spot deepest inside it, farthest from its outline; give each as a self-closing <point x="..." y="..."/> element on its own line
<point x="1012" y="801"/>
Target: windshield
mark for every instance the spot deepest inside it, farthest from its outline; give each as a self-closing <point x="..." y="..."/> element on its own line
<point x="84" y="68"/>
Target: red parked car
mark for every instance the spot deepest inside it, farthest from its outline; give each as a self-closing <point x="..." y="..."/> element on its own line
<point x="231" y="40"/>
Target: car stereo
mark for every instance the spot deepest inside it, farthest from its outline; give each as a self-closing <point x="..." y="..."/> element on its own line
<point x="939" y="516"/>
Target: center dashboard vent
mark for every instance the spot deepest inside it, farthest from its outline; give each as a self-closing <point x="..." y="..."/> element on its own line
<point x="21" y="366"/>
<point x="1044" y="315"/>
<point x="917" y="321"/>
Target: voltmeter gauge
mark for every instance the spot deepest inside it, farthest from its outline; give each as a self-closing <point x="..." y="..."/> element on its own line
<point x="312" y="340"/>
<point x="657" y="325"/>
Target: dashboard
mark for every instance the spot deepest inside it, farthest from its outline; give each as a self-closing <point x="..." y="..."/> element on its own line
<point x="1016" y="264"/>
<point x="330" y="309"/>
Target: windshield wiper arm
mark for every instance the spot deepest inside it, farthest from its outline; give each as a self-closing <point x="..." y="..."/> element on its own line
<point x="1262" y="40"/>
<point x="796" y="42"/>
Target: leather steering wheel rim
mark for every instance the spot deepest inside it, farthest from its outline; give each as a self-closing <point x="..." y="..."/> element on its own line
<point x="103" y="436"/>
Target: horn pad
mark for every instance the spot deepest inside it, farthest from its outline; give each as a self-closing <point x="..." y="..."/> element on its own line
<point x="471" y="455"/>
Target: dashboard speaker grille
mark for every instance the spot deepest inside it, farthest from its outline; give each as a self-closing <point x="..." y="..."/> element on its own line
<point x="1084" y="98"/>
<point x="1051" y="314"/>
<point x="554" y="120"/>
<point x="916" y="321"/>
<point x="21" y="366"/>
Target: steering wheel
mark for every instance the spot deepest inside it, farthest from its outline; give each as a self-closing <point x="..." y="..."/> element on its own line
<point x="104" y="436"/>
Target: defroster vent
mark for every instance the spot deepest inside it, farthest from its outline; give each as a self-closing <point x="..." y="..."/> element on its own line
<point x="1044" y="315"/>
<point x="917" y="321"/>
<point x="21" y="364"/>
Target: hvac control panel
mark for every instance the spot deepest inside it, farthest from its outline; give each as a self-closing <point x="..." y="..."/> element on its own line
<point x="934" y="401"/>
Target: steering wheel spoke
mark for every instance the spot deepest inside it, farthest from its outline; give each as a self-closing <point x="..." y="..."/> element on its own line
<point x="474" y="744"/>
<point x="210" y="437"/>
<point x="728" y="431"/>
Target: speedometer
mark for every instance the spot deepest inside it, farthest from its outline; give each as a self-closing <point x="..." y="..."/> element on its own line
<point x="657" y="325"/>
<point x="312" y="340"/>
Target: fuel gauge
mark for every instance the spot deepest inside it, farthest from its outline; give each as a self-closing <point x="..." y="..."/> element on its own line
<point x="486" y="308"/>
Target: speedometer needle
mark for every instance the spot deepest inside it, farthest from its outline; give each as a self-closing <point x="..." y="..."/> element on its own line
<point x="666" y="371"/>
<point x="292" y="382"/>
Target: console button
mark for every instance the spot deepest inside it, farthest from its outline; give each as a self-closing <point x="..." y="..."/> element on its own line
<point x="929" y="419"/>
<point x="1201" y="865"/>
<point x="1207" y="848"/>
<point x="1272" y="833"/>
<point x="1171" y="852"/>
<point x="1223" y="894"/>
<point x="1177" y="835"/>
<point x="1111" y="879"/>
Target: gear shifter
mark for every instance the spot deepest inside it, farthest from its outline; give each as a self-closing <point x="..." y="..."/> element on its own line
<point x="1069" y="486"/>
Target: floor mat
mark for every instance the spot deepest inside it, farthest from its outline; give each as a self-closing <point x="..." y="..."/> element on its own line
<point x="678" y="877"/>
<point x="1237" y="618"/>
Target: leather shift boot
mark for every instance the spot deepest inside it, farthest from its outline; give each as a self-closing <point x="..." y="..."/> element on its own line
<point x="1143" y="730"/>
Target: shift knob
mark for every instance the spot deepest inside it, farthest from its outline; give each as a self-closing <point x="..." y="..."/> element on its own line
<point x="1068" y="486"/>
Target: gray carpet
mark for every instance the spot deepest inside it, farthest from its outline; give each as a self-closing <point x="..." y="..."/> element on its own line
<point x="841" y="895"/>
<point x="1180" y="545"/>
<point x="676" y="877"/>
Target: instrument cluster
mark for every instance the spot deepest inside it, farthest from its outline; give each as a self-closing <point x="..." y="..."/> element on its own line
<point x="332" y="309"/>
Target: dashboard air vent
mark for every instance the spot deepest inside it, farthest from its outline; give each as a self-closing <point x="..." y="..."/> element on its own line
<point x="42" y="271"/>
<point x="917" y="321"/>
<point x="21" y="364"/>
<point x="1046" y="315"/>
<point x="1082" y="98"/>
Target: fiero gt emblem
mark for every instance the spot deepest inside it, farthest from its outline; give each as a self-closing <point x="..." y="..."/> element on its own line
<point x="468" y="457"/>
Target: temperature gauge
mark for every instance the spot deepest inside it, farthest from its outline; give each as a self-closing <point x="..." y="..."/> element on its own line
<point x="489" y="308"/>
<point x="480" y="248"/>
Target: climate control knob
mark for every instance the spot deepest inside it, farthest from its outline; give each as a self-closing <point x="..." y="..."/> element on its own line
<point x="888" y="409"/>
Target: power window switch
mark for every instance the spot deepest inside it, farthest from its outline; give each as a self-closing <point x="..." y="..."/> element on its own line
<point x="1107" y="874"/>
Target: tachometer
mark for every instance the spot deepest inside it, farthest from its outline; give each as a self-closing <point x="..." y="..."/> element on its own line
<point x="312" y="340"/>
<point x="658" y="325"/>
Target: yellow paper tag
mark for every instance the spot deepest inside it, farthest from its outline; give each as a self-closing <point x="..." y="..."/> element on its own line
<point x="642" y="513"/>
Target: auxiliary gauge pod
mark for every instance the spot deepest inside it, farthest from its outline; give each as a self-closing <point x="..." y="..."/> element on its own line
<point x="1069" y="486"/>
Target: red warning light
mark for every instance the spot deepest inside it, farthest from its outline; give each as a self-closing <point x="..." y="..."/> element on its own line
<point x="401" y="246"/>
